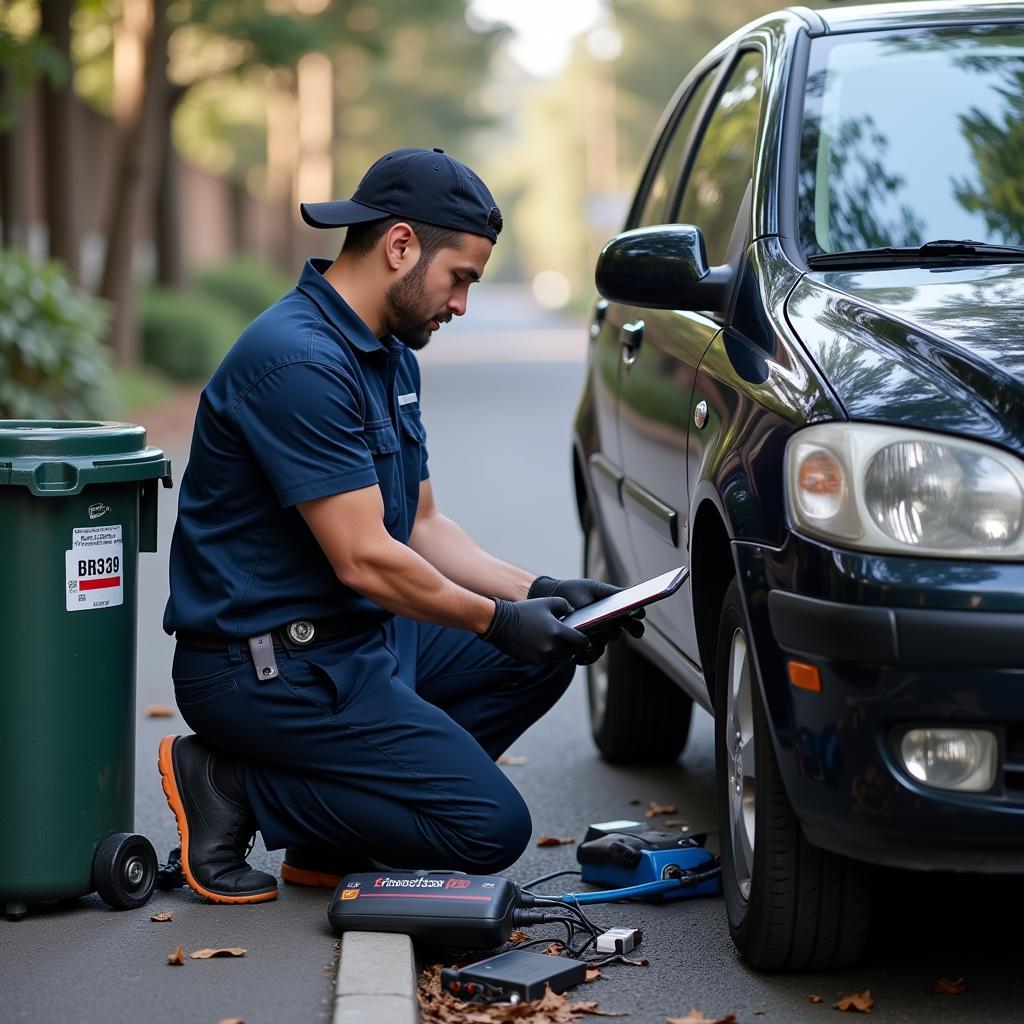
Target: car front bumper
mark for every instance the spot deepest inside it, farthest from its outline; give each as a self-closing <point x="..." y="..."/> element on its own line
<point x="899" y="643"/>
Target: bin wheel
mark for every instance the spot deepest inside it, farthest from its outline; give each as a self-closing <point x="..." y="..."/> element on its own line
<point x="124" y="870"/>
<point x="15" y="910"/>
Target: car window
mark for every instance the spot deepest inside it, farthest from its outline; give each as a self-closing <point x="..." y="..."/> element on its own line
<point x="653" y="209"/>
<point x="884" y="162"/>
<point x="725" y="159"/>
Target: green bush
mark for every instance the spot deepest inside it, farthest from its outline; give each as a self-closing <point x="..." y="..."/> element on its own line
<point x="141" y="387"/>
<point x="186" y="333"/>
<point x="247" y="284"/>
<point x="53" y="364"/>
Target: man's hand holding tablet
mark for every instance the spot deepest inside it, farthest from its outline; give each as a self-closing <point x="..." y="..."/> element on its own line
<point x="626" y="603"/>
<point x="582" y="593"/>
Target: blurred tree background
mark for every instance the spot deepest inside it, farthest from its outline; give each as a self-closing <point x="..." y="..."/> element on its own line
<point x="158" y="150"/>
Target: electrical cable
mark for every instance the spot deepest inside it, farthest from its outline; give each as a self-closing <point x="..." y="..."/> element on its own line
<point x="556" y="901"/>
<point x="580" y="921"/>
<point x="615" y="958"/>
<point x="535" y="942"/>
<point x="583" y="925"/>
<point x="547" y="878"/>
<point x="634" y="891"/>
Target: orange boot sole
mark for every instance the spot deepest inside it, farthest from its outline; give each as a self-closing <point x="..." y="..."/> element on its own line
<point x="170" y="786"/>
<point x="306" y="876"/>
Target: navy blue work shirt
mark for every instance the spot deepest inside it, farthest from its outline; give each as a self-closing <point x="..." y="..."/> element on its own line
<point x="307" y="403"/>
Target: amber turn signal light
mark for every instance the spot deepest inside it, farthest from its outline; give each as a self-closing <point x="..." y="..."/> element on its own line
<point x="804" y="676"/>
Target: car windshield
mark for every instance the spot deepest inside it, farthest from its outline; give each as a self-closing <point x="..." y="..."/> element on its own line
<point x="913" y="136"/>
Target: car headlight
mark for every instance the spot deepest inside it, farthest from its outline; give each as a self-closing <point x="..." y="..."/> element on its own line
<point x="883" y="488"/>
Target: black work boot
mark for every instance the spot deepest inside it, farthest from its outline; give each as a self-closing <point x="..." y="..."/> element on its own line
<point x="204" y="790"/>
<point x="321" y="866"/>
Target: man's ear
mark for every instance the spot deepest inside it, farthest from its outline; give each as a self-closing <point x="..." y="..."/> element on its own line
<point x="401" y="247"/>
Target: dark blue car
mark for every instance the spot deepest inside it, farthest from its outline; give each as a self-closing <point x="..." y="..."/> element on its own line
<point x="806" y="382"/>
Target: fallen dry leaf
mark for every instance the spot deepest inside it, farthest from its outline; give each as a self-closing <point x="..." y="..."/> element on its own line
<point x="231" y="1020"/>
<point x="630" y="962"/>
<point x="654" y="808"/>
<point x="814" y="999"/>
<point x="177" y="958"/>
<point x="554" y="949"/>
<point x="593" y="973"/>
<point x="165" y="915"/>
<point x="512" y="759"/>
<point x="206" y="954"/>
<point x="555" y="841"/>
<point x="518" y="936"/>
<point x="440" y="1007"/>
<point x="859" y="1002"/>
<point x="696" y="1017"/>
<point x="673" y="822"/>
<point x="950" y="987"/>
<point x="159" y="711"/>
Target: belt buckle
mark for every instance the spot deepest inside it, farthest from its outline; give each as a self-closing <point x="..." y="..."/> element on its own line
<point x="301" y="631"/>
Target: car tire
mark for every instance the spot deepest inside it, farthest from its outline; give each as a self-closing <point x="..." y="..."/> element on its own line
<point x="791" y="906"/>
<point x="637" y="714"/>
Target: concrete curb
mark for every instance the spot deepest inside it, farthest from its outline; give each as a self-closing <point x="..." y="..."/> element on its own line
<point x="376" y="980"/>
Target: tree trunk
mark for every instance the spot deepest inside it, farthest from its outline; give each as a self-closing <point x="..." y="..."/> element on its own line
<point x="238" y="198"/>
<point x="282" y="161"/>
<point x="60" y="156"/>
<point x="170" y="262"/>
<point x="12" y="170"/>
<point x="145" y="30"/>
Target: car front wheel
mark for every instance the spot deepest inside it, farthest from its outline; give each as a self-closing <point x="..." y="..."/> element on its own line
<point x="791" y="906"/>
<point x="637" y="714"/>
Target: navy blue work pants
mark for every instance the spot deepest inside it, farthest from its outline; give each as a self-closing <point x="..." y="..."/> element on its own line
<point x="381" y="745"/>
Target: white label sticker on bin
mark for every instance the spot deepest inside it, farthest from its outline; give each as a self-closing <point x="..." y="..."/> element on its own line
<point x="95" y="568"/>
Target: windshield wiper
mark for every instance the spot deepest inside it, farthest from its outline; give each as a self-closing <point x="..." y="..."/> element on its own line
<point x="940" y="249"/>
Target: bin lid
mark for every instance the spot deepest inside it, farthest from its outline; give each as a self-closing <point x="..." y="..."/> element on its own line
<point x="60" y="457"/>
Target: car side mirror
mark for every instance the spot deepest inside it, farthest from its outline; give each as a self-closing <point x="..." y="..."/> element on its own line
<point x="663" y="267"/>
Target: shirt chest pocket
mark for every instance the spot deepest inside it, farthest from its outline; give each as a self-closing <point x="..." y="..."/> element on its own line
<point x="412" y="426"/>
<point x="413" y="455"/>
<point x="380" y="439"/>
<point x="384" y="448"/>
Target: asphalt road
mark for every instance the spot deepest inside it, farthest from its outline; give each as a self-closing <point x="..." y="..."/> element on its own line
<point x="498" y="397"/>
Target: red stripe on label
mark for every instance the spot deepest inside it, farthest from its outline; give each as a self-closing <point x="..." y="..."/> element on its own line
<point x="107" y="581"/>
<point x="422" y="896"/>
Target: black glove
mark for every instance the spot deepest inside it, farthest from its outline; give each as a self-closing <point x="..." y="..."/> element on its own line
<point x="580" y="593"/>
<point x="531" y="630"/>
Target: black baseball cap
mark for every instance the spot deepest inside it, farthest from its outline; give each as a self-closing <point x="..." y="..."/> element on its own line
<point x="421" y="184"/>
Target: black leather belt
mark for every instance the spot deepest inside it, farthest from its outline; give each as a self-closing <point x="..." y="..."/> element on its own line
<point x="293" y="636"/>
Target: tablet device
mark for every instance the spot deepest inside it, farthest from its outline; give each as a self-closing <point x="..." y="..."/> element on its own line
<point x="628" y="600"/>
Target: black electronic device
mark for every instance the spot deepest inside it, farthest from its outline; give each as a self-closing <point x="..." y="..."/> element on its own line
<point x="443" y="908"/>
<point x="513" y="976"/>
<point x="627" y="600"/>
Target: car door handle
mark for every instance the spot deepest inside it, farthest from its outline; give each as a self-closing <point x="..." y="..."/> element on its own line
<point x="631" y="335"/>
<point x="600" y="312"/>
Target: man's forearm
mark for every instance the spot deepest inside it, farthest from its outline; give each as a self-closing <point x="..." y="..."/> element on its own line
<point x="403" y="582"/>
<point x="450" y="550"/>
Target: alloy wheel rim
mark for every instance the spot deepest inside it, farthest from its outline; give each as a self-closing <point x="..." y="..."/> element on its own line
<point x="597" y="672"/>
<point x="739" y="748"/>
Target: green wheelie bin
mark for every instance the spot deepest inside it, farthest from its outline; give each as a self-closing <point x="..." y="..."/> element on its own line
<point x="78" y="502"/>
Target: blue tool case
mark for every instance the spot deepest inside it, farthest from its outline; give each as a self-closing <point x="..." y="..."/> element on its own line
<point x="619" y="854"/>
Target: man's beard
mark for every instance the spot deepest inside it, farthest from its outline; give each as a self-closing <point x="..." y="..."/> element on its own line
<point x="408" y="309"/>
